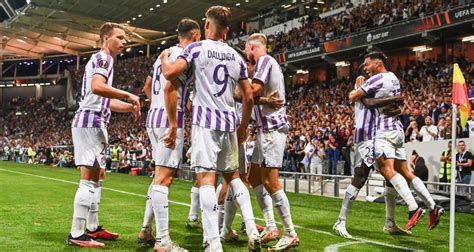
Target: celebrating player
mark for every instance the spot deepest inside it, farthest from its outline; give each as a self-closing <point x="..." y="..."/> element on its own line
<point x="89" y="132"/>
<point x="389" y="138"/>
<point x="214" y="142"/>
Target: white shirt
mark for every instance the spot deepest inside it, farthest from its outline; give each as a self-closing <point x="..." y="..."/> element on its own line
<point x="425" y="135"/>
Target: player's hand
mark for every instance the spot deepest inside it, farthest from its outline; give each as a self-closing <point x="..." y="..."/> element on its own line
<point x="136" y="113"/>
<point x="165" y="53"/>
<point x="134" y="100"/>
<point x="360" y="80"/>
<point x="392" y="110"/>
<point x="241" y="134"/>
<point x="274" y="100"/>
<point x="170" y="139"/>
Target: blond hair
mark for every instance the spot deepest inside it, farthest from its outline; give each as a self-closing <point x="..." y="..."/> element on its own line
<point x="257" y="38"/>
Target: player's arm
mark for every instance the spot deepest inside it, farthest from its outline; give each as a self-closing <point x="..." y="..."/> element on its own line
<point x="247" y="105"/>
<point x="171" y="71"/>
<point x="171" y="106"/>
<point x="124" y="107"/>
<point x="147" y="86"/>
<point x="271" y="99"/>
<point x="99" y="87"/>
<point x="380" y="102"/>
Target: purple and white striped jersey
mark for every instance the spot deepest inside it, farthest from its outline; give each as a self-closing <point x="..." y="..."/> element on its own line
<point x="384" y="85"/>
<point x="364" y="122"/>
<point x="157" y="117"/>
<point x="94" y="111"/>
<point x="217" y="68"/>
<point x="268" y="71"/>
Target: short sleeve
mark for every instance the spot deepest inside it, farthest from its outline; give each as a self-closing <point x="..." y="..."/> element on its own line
<point x="263" y="69"/>
<point x="373" y="84"/>
<point x="102" y="65"/>
<point x="243" y="74"/>
<point x="191" y="52"/>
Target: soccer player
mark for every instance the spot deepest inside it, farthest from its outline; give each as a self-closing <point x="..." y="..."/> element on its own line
<point x="365" y="160"/>
<point x="89" y="131"/>
<point x="214" y="141"/>
<point x="168" y="157"/>
<point x="272" y="134"/>
<point x="225" y="198"/>
<point x="389" y="139"/>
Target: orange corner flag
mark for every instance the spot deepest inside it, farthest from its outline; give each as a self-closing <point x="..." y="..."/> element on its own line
<point x="460" y="97"/>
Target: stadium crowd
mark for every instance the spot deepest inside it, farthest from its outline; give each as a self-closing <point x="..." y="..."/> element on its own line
<point x="363" y="17"/>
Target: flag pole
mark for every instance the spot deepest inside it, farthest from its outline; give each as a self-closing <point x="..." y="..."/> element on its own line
<point x="452" y="198"/>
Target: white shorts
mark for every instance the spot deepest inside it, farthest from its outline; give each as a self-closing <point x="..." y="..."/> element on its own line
<point x="390" y="144"/>
<point x="90" y="146"/>
<point x="162" y="155"/>
<point x="213" y="150"/>
<point x="270" y="148"/>
<point x="364" y="152"/>
<point x="316" y="168"/>
<point x="242" y="160"/>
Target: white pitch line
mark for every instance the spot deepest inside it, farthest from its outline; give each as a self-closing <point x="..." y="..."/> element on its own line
<point x="359" y="240"/>
<point x="335" y="247"/>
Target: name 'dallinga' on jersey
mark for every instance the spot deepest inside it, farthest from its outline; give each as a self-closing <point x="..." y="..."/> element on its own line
<point x="221" y="56"/>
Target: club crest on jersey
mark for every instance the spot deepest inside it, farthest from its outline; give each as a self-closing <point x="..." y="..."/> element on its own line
<point x="370" y="160"/>
<point x="103" y="64"/>
<point x="103" y="160"/>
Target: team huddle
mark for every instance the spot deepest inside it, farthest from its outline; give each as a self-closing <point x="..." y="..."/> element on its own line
<point x="230" y="88"/>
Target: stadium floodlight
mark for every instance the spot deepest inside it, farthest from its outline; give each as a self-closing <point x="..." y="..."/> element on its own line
<point x="158" y="6"/>
<point x="128" y="49"/>
<point x="342" y="63"/>
<point x="419" y="48"/>
<point x="237" y="4"/>
<point x="301" y="71"/>
<point x="151" y="9"/>
<point x="139" y="15"/>
<point x="163" y="42"/>
<point x="426" y="49"/>
<point x="468" y="39"/>
<point x="165" y="1"/>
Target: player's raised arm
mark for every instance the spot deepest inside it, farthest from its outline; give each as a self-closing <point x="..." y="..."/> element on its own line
<point x="171" y="71"/>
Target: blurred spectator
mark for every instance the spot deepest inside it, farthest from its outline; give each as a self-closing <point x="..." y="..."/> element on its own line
<point x="419" y="166"/>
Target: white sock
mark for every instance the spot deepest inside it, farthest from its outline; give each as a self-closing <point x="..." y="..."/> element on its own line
<point x="241" y="198"/>
<point x="93" y="214"/>
<point x="220" y="215"/>
<point x="230" y="209"/>
<point x="159" y="199"/>
<point x="82" y="203"/>
<point x="421" y="191"/>
<point x="265" y="202"/>
<point x="400" y="184"/>
<point x="209" y="214"/>
<point x="148" y="215"/>
<point x="349" y="196"/>
<point x="282" y="206"/>
<point x="390" y="195"/>
<point x="193" y="210"/>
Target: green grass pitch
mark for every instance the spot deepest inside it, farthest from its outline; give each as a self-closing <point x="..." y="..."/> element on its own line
<point x="36" y="210"/>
